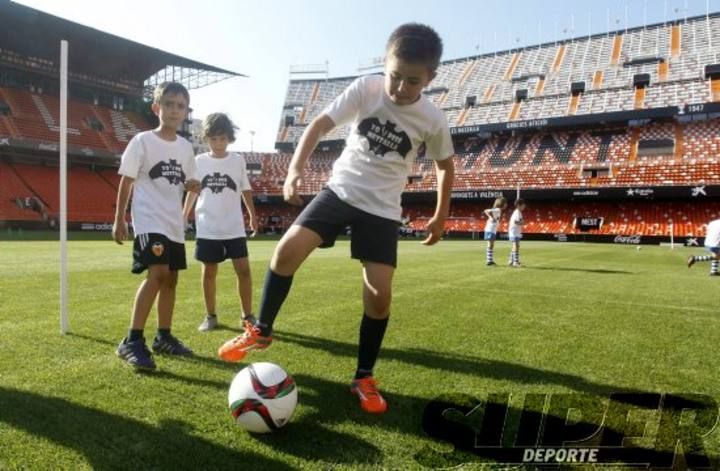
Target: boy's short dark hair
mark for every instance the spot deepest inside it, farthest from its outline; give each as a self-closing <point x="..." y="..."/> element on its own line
<point x="416" y="43"/>
<point x="170" y="87"/>
<point x="217" y="124"/>
<point x="519" y="202"/>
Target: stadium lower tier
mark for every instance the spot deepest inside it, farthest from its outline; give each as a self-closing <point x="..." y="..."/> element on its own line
<point x="647" y="218"/>
<point x="31" y="193"/>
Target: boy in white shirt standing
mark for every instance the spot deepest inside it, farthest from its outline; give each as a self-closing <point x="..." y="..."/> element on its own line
<point x="157" y="166"/>
<point x="493" y="214"/>
<point x="219" y="222"/>
<point x="515" y="232"/>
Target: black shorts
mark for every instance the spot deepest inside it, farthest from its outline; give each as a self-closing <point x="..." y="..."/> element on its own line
<point x="157" y="249"/>
<point x="373" y="238"/>
<point x="216" y="251"/>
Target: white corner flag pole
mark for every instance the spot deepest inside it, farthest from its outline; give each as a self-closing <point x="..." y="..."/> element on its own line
<point x="672" y="236"/>
<point x="63" y="188"/>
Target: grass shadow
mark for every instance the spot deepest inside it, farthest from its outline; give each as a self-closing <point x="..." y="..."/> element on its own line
<point x="465" y="364"/>
<point x="195" y="358"/>
<point x="227" y="328"/>
<point x="92" y="339"/>
<point x="110" y="441"/>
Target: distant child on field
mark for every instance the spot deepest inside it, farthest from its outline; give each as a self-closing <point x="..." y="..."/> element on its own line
<point x="390" y="119"/>
<point x="157" y="166"/>
<point x="712" y="244"/>
<point x="515" y="232"/>
<point x="493" y="214"/>
<point x="219" y="223"/>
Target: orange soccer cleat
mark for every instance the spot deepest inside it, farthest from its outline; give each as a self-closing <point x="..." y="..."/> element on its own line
<point x="235" y="350"/>
<point x="370" y="399"/>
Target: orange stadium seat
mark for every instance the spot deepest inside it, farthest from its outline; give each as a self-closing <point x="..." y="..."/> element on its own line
<point x="11" y="188"/>
<point x="90" y="197"/>
<point x="35" y="117"/>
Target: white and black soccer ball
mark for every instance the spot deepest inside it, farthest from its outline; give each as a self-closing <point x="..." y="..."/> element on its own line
<point x="262" y="397"/>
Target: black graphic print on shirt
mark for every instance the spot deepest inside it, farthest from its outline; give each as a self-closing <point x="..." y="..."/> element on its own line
<point x="384" y="138"/>
<point x="171" y="170"/>
<point x="216" y="182"/>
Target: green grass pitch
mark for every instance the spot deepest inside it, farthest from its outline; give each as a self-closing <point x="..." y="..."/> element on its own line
<point x="577" y="318"/>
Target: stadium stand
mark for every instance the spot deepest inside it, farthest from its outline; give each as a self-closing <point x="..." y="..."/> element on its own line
<point x="623" y="125"/>
<point x="637" y="218"/>
<point x="672" y="54"/>
<point x="35" y="117"/>
<point x="13" y="188"/>
<point x="111" y="79"/>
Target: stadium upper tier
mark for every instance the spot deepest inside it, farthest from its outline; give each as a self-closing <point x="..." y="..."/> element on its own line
<point x="33" y="118"/>
<point x="536" y="82"/>
<point x="665" y="154"/>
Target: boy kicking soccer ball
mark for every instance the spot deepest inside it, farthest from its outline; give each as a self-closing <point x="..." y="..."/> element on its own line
<point x="493" y="214"/>
<point x="390" y="119"/>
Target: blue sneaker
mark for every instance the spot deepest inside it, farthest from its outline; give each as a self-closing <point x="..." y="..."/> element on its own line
<point x="136" y="354"/>
<point x="170" y="345"/>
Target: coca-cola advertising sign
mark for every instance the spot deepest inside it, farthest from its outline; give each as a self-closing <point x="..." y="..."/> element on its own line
<point x="634" y="239"/>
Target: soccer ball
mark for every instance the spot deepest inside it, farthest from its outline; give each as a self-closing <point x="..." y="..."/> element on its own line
<point x="262" y="397"/>
<point x="638" y="248"/>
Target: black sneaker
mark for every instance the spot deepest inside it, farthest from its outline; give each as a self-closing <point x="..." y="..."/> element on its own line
<point x="170" y="345"/>
<point x="690" y="261"/>
<point x="136" y="354"/>
<point x="714" y="273"/>
<point x="491" y="264"/>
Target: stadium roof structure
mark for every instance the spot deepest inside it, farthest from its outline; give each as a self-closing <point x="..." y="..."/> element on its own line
<point x="125" y="64"/>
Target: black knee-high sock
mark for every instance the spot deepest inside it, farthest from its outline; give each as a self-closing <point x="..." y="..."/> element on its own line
<point x="372" y="332"/>
<point x="275" y="291"/>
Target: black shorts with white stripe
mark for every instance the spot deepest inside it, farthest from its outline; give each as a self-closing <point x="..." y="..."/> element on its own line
<point x="157" y="249"/>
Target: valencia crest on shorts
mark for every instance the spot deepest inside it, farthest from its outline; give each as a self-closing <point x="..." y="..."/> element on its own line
<point x="157" y="249"/>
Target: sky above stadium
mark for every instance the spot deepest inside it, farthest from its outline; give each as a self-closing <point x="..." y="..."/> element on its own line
<point x="263" y="38"/>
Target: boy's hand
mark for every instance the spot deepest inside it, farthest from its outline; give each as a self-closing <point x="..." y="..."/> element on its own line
<point x="434" y="228"/>
<point x="291" y="188"/>
<point x="120" y="231"/>
<point x="193" y="186"/>
<point x="252" y="223"/>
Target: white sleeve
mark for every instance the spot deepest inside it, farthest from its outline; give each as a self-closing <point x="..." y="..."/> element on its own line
<point x="132" y="158"/>
<point x="440" y="146"/>
<point x="346" y="106"/>
<point x="190" y="166"/>
<point x="244" y="181"/>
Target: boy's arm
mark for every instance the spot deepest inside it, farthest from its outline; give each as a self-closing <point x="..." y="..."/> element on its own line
<point x="309" y="140"/>
<point x="120" y="229"/>
<point x="250" y="206"/>
<point x="489" y="214"/>
<point x="445" y="170"/>
<point x="190" y="198"/>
